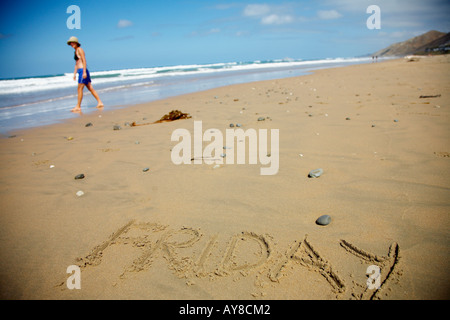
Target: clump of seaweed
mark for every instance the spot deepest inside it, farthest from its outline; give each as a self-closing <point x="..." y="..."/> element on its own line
<point x="171" y="116"/>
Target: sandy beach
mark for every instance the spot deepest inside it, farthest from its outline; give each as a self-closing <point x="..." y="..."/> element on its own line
<point x="379" y="131"/>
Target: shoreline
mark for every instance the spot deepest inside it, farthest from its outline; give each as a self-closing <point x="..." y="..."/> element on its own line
<point x="198" y="232"/>
<point x="131" y="92"/>
<point x="94" y="113"/>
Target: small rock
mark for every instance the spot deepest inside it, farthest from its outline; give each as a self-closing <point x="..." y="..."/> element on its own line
<point x="315" y="173"/>
<point x="373" y="126"/>
<point x="80" y="193"/>
<point x="89" y="124"/>
<point x="347" y="118"/>
<point x="136" y="142"/>
<point x="238" y="125"/>
<point x="117" y="127"/>
<point x="127" y="124"/>
<point x="52" y="166"/>
<point x="145" y="169"/>
<point x="323" y="220"/>
<point x="223" y="155"/>
<point x="261" y="119"/>
<point x="395" y="120"/>
<point x="69" y="138"/>
<point x="80" y="176"/>
<point x="231" y="125"/>
<point x="13" y="136"/>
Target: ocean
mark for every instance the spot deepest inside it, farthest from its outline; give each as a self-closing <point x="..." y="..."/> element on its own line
<point x="36" y="101"/>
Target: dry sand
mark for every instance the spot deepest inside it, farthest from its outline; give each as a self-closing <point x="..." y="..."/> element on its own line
<point x="195" y="232"/>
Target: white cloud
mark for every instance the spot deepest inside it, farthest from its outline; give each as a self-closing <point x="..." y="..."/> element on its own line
<point x="277" y="19"/>
<point x="269" y="15"/>
<point x="256" y="10"/>
<point x="124" y="23"/>
<point x="328" y="14"/>
<point x="241" y="33"/>
<point x="214" y="30"/>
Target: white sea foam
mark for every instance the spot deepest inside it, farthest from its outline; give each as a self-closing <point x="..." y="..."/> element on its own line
<point x="124" y="76"/>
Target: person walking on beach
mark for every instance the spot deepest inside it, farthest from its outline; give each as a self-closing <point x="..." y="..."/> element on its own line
<point x="84" y="78"/>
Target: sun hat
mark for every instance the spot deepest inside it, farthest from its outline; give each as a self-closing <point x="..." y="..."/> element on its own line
<point x="73" y="39"/>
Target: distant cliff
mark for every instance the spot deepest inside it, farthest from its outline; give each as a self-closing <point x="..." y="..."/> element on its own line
<point x="430" y="42"/>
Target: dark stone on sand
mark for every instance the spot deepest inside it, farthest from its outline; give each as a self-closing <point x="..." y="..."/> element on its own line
<point x="323" y="220"/>
<point x="261" y="119"/>
<point x="238" y="125"/>
<point x="395" y="120"/>
<point x="89" y="124"/>
<point x="347" y="118"/>
<point x="80" y="176"/>
<point x="145" y="169"/>
<point x="231" y="125"/>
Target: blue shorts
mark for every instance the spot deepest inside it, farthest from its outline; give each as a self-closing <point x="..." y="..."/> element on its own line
<point x="80" y="76"/>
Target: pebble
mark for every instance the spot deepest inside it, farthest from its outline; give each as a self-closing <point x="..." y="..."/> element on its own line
<point x="373" y="126"/>
<point x="145" y="169"/>
<point x="323" y="220"/>
<point x="315" y="173"/>
<point x="89" y="124"/>
<point x="117" y="127"/>
<point x="231" y="125"/>
<point x="52" y="166"/>
<point x="80" y="176"/>
<point x="347" y="118"/>
<point x="80" y="193"/>
<point x="395" y="120"/>
<point x="261" y="119"/>
<point x="238" y="125"/>
<point x="223" y="155"/>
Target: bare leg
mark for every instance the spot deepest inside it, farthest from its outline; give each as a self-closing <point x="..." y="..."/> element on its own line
<point x="80" y="98"/>
<point x="95" y="94"/>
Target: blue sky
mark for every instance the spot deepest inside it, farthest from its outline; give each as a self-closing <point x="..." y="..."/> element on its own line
<point x="119" y="34"/>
